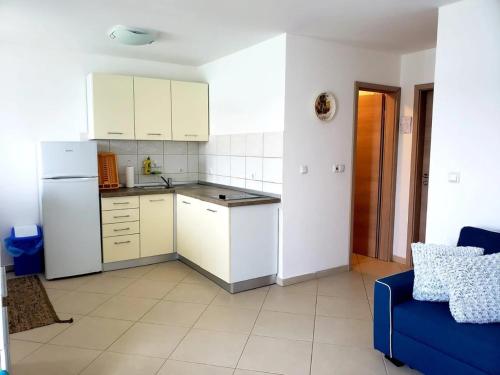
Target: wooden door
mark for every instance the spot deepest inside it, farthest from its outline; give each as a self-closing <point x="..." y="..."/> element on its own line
<point x="156" y="224"/>
<point x="152" y="109"/>
<point x="424" y="168"/>
<point x="189" y="111"/>
<point x="367" y="175"/>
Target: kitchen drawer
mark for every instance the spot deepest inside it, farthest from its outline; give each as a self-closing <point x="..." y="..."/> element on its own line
<point x="120" y="229"/>
<point x="120" y="216"/>
<point x="120" y="248"/>
<point x="118" y="203"/>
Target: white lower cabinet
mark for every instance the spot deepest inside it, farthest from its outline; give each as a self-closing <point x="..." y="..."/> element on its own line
<point x="120" y="248"/>
<point x="157" y="224"/>
<point x="233" y="243"/>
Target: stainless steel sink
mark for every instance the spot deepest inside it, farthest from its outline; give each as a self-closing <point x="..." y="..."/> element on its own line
<point x="153" y="187"/>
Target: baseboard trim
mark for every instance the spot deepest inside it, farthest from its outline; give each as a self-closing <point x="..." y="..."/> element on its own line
<point x="311" y="276"/>
<point x="397" y="259"/>
<point x="138" y="262"/>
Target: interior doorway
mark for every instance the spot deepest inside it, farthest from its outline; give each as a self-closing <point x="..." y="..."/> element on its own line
<point x="376" y="118"/>
<point x="420" y="160"/>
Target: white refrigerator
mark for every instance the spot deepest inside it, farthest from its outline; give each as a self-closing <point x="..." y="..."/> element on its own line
<point x="69" y="201"/>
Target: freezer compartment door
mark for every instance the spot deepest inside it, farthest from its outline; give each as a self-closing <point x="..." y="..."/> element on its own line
<point x="68" y="159"/>
<point x="71" y="224"/>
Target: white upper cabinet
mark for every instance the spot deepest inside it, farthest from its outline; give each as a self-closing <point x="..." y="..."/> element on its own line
<point x="110" y="106"/>
<point x="189" y="111"/>
<point x="152" y="109"/>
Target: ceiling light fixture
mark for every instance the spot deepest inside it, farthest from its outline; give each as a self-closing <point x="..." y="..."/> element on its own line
<point x="131" y="36"/>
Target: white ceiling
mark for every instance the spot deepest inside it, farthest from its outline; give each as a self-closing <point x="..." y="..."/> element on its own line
<point x="198" y="31"/>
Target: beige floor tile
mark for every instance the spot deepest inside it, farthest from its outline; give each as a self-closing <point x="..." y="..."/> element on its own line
<point x="166" y="274"/>
<point x="55" y="360"/>
<point x="379" y="269"/>
<point x="227" y="319"/>
<point x="119" y="364"/>
<point x="343" y="307"/>
<point x="251" y="299"/>
<point x="46" y="333"/>
<point x="107" y="285"/>
<point x="92" y="333"/>
<point x="126" y="308"/>
<point x="174" y="313"/>
<point x="71" y="283"/>
<point x="394" y="370"/>
<point x="54" y="294"/>
<point x="345" y="361"/>
<point x="308" y="287"/>
<point x="371" y="303"/>
<point x="346" y="284"/>
<point x="346" y="332"/>
<point x="284" y="325"/>
<point x="369" y="282"/>
<point x="211" y="348"/>
<point x="195" y="293"/>
<point x="21" y="349"/>
<point x="185" y="368"/>
<point x="133" y="272"/>
<point x="194" y="277"/>
<point x="249" y="372"/>
<point x="149" y="340"/>
<point x="144" y="288"/>
<point x="80" y="303"/>
<point x="274" y="355"/>
<point x="174" y="265"/>
<point x="298" y="303"/>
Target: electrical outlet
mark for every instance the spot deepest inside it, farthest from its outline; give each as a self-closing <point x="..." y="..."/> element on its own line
<point x="339" y="168"/>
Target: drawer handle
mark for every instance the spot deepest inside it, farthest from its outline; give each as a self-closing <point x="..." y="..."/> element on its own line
<point x="156" y="200"/>
<point x="120" y="216"/>
<point x="118" y="133"/>
<point x="208" y="209"/>
<point x="120" y="229"/>
<point x="154" y="133"/>
<point x="121" y="242"/>
<point x="190" y="135"/>
<point x="186" y="202"/>
<point x="121" y="202"/>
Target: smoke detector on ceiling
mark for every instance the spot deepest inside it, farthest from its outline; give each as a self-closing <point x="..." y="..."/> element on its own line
<point x="131" y="35"/>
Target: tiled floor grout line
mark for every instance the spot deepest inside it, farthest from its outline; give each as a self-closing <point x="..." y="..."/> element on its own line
<point x="314" y="328"/>
<point x="253" y="327"/>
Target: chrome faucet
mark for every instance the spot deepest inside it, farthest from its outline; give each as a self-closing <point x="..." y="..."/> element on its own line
<point x="168" y="181"/>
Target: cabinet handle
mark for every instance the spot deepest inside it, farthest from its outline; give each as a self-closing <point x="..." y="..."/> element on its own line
<point x="156" y="200"/>
<point x="119" y="133"/>
<point x="121" y="242"/>
<point x="208" y="209"/>
<point x="120" y="229"/>
<point x="186" y="202"/>
<point x="121" y="202"/>
<point x="118" y="217"/>
<point x="190" y="135"/>
<point x="154" y="133"/>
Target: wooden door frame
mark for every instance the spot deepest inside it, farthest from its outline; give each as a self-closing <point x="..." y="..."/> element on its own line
<point x="386" y="253"/>
<point x="416" y="155"/>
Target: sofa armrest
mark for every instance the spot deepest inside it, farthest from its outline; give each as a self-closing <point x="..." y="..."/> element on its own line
<point x="389" y="292"/>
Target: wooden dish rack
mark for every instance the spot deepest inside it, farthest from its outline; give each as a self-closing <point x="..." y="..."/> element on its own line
<point x="108" y="171"/>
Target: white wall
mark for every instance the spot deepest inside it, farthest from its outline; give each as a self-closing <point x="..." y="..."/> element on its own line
<point x="466" y="121"/>
<point x="316" y="206"/>
<point x="42" y="93"/>
<point x="416" y="68"/>
<point x="247" y="89"/>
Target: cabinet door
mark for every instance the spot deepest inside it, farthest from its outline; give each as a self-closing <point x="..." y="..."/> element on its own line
<point x="188" y="227"/>
<point x="156" y="224"/>
<point x="110" y="100"/>
<point x="120" y="248"/>
<point x="189" y="111"/>
<point x="152" y="109"/>
<point x="215" y="253"/>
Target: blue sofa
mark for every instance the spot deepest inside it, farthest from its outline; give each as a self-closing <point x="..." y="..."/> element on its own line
<point x="424" y="335"/>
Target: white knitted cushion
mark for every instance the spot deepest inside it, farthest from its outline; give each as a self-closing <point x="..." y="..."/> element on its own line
<point x="474" y="285"/>
<point x="427" y="286"/>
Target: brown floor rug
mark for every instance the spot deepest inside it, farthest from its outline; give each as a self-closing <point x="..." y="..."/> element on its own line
<point x="28" y="305"/>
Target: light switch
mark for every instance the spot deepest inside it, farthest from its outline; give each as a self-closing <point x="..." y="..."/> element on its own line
<point x="303" y="169"/>
<point x="454" y="177"/>
<point x="339" y="168"/>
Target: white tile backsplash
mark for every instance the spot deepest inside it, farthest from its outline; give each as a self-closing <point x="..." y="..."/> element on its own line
<point x="102" y="145"/>
<point x="273" y="145"/>
<point x="193" y="148"/>
<point x="255" y="144"/>
<point x="192" y="163"/>
<point x="272" y="170"/>
<point x="176" y="148"/>
<point x="211" y="164"/>
<point x="238" y="166"/>
<point x="272" y="187"/>
<point x="123" y="147"/>
<point x="223" y="144"/>
<point x="223" y="180"/>
<point x="223" y="166"/>
<point x="238" y="182"/>
<point x="253" y="168"/>
<point x="253" y="185"/>
<point x="150" y="147"/>
<point x="176" y="164"/>
<point x="238" y="145"/>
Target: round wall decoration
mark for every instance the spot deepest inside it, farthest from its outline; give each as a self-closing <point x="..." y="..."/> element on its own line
<point x="325" y="106"/>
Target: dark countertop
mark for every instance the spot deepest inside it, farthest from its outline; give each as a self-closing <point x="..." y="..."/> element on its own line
<point x="198" y="191"/>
